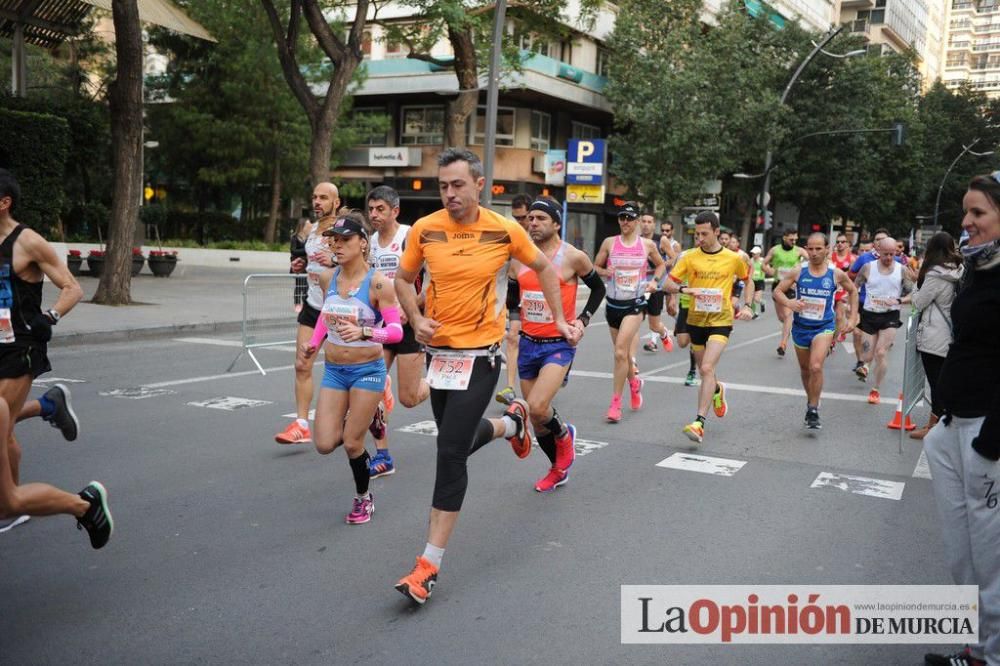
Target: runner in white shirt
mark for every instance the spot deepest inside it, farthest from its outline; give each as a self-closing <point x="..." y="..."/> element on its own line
<point x="388" y="243"/>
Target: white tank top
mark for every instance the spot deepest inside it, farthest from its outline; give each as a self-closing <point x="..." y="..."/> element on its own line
<point x="315" y="245"/>
<point x="386" y="259"/>
<point x="881" y="290"/>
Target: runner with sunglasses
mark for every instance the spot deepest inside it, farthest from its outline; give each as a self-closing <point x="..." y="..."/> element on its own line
<point x="621" y="260"/>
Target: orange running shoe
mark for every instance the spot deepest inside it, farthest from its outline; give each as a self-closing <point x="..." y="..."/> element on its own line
<point x="873" y="397"/>
<point x="420" y="582"/>
<point x="719" y="403"/>
<point x="521" y="441"/>
<point x="387" y="397"/>
<point x="294" y="434"/>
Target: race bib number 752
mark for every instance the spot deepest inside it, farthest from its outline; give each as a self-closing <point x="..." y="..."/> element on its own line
<point x="450" y="372"/>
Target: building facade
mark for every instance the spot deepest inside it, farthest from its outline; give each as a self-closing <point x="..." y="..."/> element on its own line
<point x="972" y="48"/>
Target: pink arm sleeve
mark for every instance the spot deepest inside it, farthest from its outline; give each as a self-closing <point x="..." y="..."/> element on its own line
<point x="319" y="333"/>
<point x="393" y="329"/>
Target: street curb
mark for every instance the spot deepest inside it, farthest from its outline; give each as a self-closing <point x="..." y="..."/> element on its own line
<point x="98" y="337"/>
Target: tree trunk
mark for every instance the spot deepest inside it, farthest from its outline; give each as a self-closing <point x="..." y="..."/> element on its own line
<point x="319" y="152"/>
<point x="272" y="216"/>
<point x="322" y="138"/>
<point x="467" y="72"/>
<point x="126" y="140"/>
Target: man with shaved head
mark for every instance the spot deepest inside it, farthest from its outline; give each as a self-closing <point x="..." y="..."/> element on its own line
<point x="887" y="287"/>
<point x="319" y="258"/>
<point x="814" y="320"/>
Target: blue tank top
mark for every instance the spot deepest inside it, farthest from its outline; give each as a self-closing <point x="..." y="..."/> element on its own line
<point x="817" y="294"/>
<point x="357" y="308"/>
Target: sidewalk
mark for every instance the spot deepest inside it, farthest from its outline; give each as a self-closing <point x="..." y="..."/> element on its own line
<point x="193" y="299"/>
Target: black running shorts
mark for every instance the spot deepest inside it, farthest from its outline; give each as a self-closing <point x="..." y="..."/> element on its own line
<point x="308" y="316"/>
<point x="20" y="359"/>
<point x="408" y="345"/>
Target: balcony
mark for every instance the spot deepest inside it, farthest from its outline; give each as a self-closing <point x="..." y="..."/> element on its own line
<point x="857" y="4"/>
<point x="986" y="46"/>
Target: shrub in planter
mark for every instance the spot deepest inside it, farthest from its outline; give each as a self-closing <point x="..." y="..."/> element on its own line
<point x="75" y="261"/>
<point x="95" y="262"/>
<point x="162" y="262"/>
<point x="138" y="261"/>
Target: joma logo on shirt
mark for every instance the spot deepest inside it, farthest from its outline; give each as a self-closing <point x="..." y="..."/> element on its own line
<point x="463" y="235"/>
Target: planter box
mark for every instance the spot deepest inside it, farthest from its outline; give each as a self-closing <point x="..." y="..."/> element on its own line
<point x="75" y="265"/>
<point x="95" y="266"/>
<point x="162" y="266"/>
<point x="138" y="261"/>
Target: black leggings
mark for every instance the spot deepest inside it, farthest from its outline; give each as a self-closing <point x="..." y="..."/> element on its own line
<point x="932" y="368"/>
<point x="462" y="430"/>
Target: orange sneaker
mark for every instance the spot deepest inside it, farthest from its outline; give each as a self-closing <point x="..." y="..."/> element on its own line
<point x="719" y="403"/>
<point x="873" y="397"/>
<point x="387" y="397"/>
<point x="294" y="434"/>
<point x="520" y="442"/>
<point x="420" y="582"/>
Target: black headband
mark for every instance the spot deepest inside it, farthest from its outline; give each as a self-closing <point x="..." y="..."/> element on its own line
<point x="547" y="207"/>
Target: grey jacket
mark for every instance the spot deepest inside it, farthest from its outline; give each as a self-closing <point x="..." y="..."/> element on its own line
<point x="933" y="300"/>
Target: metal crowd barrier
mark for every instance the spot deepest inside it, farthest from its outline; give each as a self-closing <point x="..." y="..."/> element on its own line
<point x="914" y="379"/>
<point x="269" y="318"/>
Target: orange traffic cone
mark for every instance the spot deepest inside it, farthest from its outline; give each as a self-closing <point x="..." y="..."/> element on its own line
<point x="896" y="421"/>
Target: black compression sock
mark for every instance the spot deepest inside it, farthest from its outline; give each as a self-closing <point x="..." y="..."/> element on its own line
<point x="691" y="356"/>
<point x="547" y="442"/>
<point x="359" y="467"/>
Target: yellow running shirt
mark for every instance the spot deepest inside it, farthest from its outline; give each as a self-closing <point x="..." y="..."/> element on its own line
<point x="710" y="277"/>
<point x="467" y="264"/>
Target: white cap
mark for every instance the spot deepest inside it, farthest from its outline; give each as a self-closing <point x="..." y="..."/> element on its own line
<point x="755" y="250"/>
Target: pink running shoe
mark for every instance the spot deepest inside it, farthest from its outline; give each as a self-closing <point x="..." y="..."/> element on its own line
<point x="362" y="510"/>
<point x="635" y="388"/>
<point x="552" y="480"/>
<point x="615" y="410"/>
<point x="566" y="449"/>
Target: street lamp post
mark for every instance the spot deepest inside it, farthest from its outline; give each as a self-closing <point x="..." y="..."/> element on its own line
<point x="766" y="183"/>
<point x="965" y="149"/>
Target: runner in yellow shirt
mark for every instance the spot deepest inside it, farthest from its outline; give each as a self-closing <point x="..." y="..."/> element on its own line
<point x="709" y="272"/>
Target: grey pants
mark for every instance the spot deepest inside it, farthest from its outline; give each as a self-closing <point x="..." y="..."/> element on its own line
<point x="967" y="490"/>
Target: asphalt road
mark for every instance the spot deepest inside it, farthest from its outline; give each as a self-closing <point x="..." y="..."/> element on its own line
<point x="231" y="549"/>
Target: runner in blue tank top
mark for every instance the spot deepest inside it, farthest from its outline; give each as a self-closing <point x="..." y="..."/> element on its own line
<point x="814" y="320"/>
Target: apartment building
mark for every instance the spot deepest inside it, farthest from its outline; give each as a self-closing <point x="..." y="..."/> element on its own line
<point x="898" y="25"/>
<point x="972" y="48"/>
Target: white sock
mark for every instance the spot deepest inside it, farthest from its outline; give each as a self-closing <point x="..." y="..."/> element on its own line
<point x="433" y="554"/>
<point x="509" y="426"/>
<point x="303" y="423"/>
<point x="665" y="334"/>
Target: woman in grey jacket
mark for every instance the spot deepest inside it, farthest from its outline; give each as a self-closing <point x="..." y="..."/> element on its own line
<point x="937" y="284"/>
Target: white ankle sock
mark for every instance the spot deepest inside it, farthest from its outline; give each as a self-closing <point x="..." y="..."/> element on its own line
<point x="509" y="426"/>
<point x="303" y="423"/>
<point x="433" y="554"/>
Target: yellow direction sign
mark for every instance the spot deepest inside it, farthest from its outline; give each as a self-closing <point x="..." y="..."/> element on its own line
<point x="585" y="194"/>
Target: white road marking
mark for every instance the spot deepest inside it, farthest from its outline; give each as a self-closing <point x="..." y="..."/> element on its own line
<point x="224" y="375"/>
<point x="586" y="446"/>
<point x="293" y="415"/>
<point x="229" y="403"/>
<point x="753" y="388"/>
<point x="922" y="470"/>
<point x="703" y="464"/>
<point x="136" y="392"/>
<point x="229" y="343"/>
<point x="429" y="428"/>
<point x="686" y="362"/>
<point x="42" y="381"/>
<point x="421" y="428"/>
<point x="860" y="485"/>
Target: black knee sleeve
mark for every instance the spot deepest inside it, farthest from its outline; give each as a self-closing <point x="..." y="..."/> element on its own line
<point x="555" y="425"/>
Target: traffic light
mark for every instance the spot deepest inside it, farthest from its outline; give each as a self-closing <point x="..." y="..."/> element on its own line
<point x="898" y="134"/>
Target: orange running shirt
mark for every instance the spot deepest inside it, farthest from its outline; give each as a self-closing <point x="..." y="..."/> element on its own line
<point x="467" y="263"/>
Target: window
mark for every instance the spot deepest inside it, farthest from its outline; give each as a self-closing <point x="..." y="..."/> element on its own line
<point x="366" y="44"/>
<point x="585" y="131"/>
<point x="421" y="125"/>
<point x="533" y="42"/>
<point x="505" y="127"/>
<point x="363" y="118"/>
<point x="541" y="130"/>
<point x="603" y="58"/>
